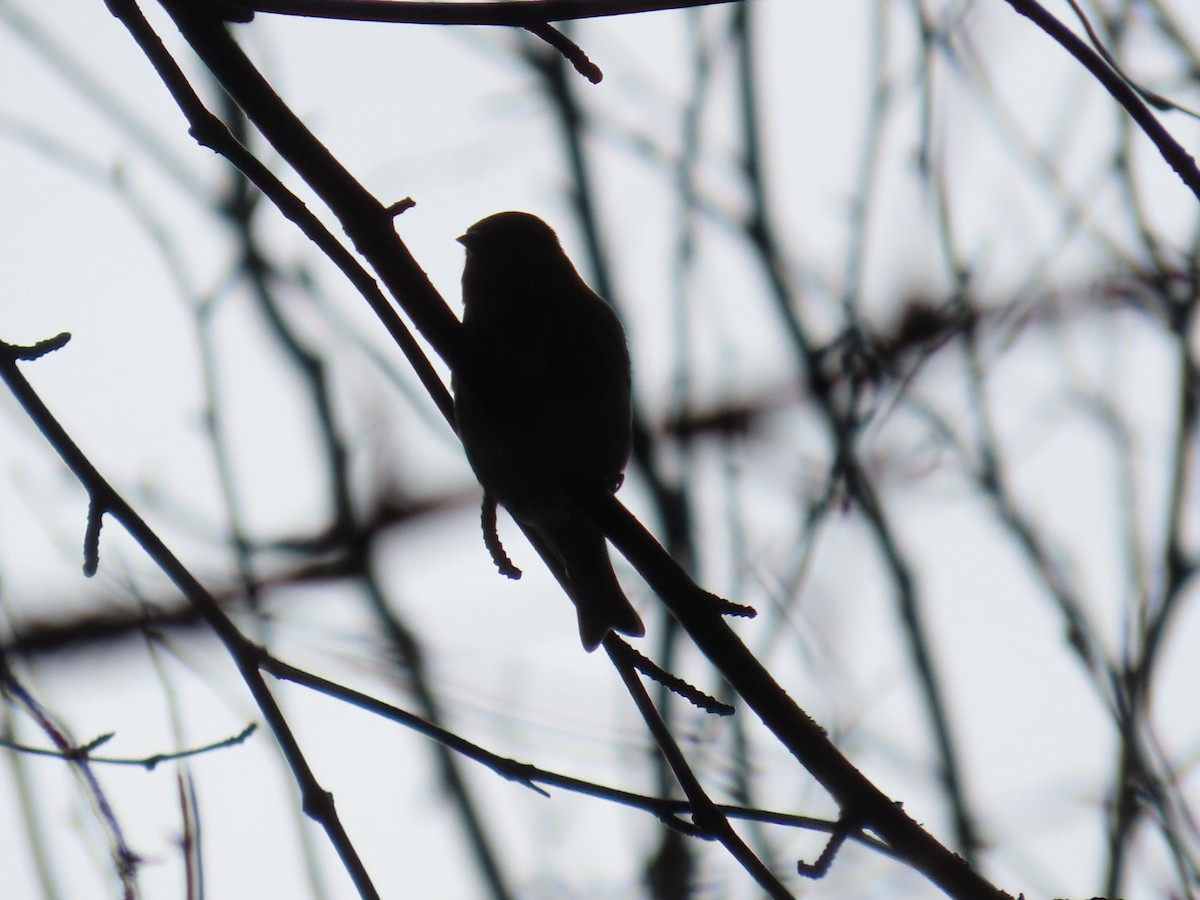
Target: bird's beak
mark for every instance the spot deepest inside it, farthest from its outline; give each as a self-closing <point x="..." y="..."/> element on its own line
<point x="465" y="240"/>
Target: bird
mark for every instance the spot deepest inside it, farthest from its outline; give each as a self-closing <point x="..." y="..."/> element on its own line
<point x="542" y="403"/>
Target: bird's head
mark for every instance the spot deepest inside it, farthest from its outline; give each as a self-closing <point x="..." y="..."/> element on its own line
<point x="512" y="239"/>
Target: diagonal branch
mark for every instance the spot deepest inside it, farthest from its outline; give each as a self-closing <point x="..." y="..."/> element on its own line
<point x="858" y="798"/>
<point x="1170" y="149"/>
<point x="104" y="499"/>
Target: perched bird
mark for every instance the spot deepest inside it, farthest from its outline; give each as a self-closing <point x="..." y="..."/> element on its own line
<point x="542" y="402"/>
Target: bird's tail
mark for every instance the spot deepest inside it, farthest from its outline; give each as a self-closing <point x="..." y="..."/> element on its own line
<point x="591" y="582"/>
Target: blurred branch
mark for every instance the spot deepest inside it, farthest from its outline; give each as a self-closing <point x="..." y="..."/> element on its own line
<point x="323" y="556"/>
<point x="368" y="222"/>
<point x="91" y="87"/>
<point x="843" y="423"/>
<point x="427" y="307"/>
<point x="31" y="809"/>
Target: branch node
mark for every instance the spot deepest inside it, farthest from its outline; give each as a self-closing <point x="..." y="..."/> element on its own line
<point x="677" y="685"/>
<point x="571" y="51"/>
<point x="36" y="351"/>
<point x="491" y="539"/>
<point x="91" y="537"/>
<point x="683" y="826"/>
<point x="729" y="608"/>
<point x="400" y="206"/>
<point x="846" y="826"/>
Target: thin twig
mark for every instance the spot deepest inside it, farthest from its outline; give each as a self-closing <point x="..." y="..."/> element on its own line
<point x="449" y="12"/>
<point x="1172" y="151"/>
<point x="150" y="763"/>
